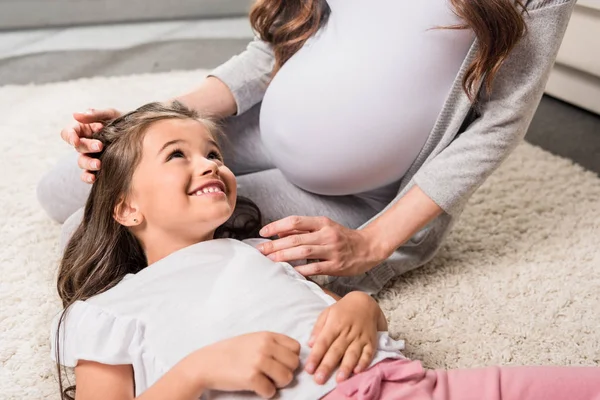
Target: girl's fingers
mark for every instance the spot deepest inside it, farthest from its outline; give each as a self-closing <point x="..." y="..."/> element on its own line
<point x="350" y="361"/>
<point x="263" y="386"/>
<point x="277" y="372"/>
<point x="286" y="357"/>
<point x="331" y="360"/>
<point x="365" y="359"/>
<point x="288" y="342"/>
<point x="321" y="346"/>
<point x="318" y="326"/>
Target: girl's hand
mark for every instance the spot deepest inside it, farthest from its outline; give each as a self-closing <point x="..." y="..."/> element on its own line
<point x="340" y="251"/>
<point x="259" y="362"/>
<point x="346" y="332"/>
<point x="78" y="135"/>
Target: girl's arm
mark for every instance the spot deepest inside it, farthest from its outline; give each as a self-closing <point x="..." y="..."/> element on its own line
<point x="260" y="362"/>
<point x="97" y="381"/>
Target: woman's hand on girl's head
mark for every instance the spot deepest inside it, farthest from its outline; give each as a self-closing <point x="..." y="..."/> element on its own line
<point x="260" y="362"/>
<point x="339" y="251"/>
<point x="79" y="136"/>
<point x="345" y="333"/>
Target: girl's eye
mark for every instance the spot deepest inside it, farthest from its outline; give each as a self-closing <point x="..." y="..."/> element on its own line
<point x="175" y="154"/>
<point x="213" y="155"/>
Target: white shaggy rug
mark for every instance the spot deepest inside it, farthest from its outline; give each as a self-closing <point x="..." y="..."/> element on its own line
<point x="518" y="281"/>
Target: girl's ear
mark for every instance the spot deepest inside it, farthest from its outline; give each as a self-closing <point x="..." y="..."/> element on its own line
<point x="127" y="213"/>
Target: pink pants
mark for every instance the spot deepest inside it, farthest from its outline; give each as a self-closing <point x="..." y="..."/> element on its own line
<point x="407" y="380"/>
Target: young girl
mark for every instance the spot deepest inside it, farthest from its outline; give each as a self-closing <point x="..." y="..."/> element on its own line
<point x="164" y="302"/>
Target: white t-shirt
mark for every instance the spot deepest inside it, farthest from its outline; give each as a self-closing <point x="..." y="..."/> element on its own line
<point x="351" y="110"/>
<point x="197" y="296"/>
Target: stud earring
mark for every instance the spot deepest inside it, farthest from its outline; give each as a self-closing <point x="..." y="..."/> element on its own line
<point x="135" y="220"/>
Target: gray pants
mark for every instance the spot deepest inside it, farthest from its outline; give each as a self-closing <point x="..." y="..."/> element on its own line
<point x="62" y="193"/>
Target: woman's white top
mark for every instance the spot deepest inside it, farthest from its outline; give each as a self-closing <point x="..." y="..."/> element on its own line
<point x="195" y="297"/>
<point x="351" y="110"/>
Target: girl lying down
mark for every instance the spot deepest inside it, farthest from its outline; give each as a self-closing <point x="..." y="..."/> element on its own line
<point x="166" y="298"/>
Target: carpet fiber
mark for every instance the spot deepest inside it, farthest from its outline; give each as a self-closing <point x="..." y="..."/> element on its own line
<point x="517" y="282"/>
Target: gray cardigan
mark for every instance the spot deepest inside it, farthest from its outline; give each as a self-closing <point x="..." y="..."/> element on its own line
<point x="466" y="144"/>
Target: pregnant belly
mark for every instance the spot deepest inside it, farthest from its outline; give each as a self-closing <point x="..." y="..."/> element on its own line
<point x="339" y="135"/>
<point x="348" y="114"/>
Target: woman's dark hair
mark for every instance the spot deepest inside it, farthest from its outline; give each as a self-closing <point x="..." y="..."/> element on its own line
<point x="498" y="25"/>
<point x="102" y="251"/>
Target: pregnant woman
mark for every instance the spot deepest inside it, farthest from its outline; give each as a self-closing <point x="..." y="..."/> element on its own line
<point x="361" y="128"/>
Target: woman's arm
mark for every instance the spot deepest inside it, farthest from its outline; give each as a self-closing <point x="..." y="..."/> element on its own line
<point x="347" y="252"/>
<point x="212" y="97"/>
<point x="451" y="177"/>
<point x="235" y="86"/>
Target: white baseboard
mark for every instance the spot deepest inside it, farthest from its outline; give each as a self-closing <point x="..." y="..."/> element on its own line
<point x="575" y="87"/>
<point x="576" y="75"/>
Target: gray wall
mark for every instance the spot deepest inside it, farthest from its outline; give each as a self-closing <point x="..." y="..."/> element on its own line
<point x="16" y="14"/>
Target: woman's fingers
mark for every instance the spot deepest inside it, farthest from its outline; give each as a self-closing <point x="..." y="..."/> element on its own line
<point x="92" y="115"/>
<point x="89" y="146"/>
<point x="96" y="127"/>
<point x="301" y="253"/>
<point x="88" y="163"/>
<point x="292" y="223"/>
<point x="79" y="136"/>
<point x="290" y="233"/>
<point x="317" y="268"/>
<point x="289" y="242"/>
<point x="331" y="359"/>
<point x="88" y="177"/>
<point x="350" y="361"/>
<point x="71" y="135"/>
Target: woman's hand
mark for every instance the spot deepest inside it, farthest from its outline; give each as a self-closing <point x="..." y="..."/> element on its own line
<point x="339" y="251"/>
<point x="79" y="136"/>
<point x="346" y="332"/>
<point x="259" y="362"/>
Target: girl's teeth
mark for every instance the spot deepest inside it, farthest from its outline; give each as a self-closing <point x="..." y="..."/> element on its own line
<point x="207" y="190"/>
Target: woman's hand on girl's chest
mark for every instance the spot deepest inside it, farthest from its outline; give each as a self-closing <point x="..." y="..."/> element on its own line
<point x="337" y="250"/>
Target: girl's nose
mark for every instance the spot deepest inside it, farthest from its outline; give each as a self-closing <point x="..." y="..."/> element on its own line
<point x="208" y="167"/>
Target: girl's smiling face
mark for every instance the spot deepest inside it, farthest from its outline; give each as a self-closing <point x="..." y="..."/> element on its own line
<point x="180" y="191"/>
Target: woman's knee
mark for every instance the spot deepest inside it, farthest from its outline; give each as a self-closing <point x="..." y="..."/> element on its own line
<point x="61" y="192"/>
<point x="69" y="227"/>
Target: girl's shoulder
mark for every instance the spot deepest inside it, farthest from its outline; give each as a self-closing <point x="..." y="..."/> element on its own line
<point x="86" y="331"/>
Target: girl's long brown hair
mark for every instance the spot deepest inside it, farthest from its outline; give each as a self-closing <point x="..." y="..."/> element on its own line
<point x="497" y="24"/>
<point x="102" y="251"/>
